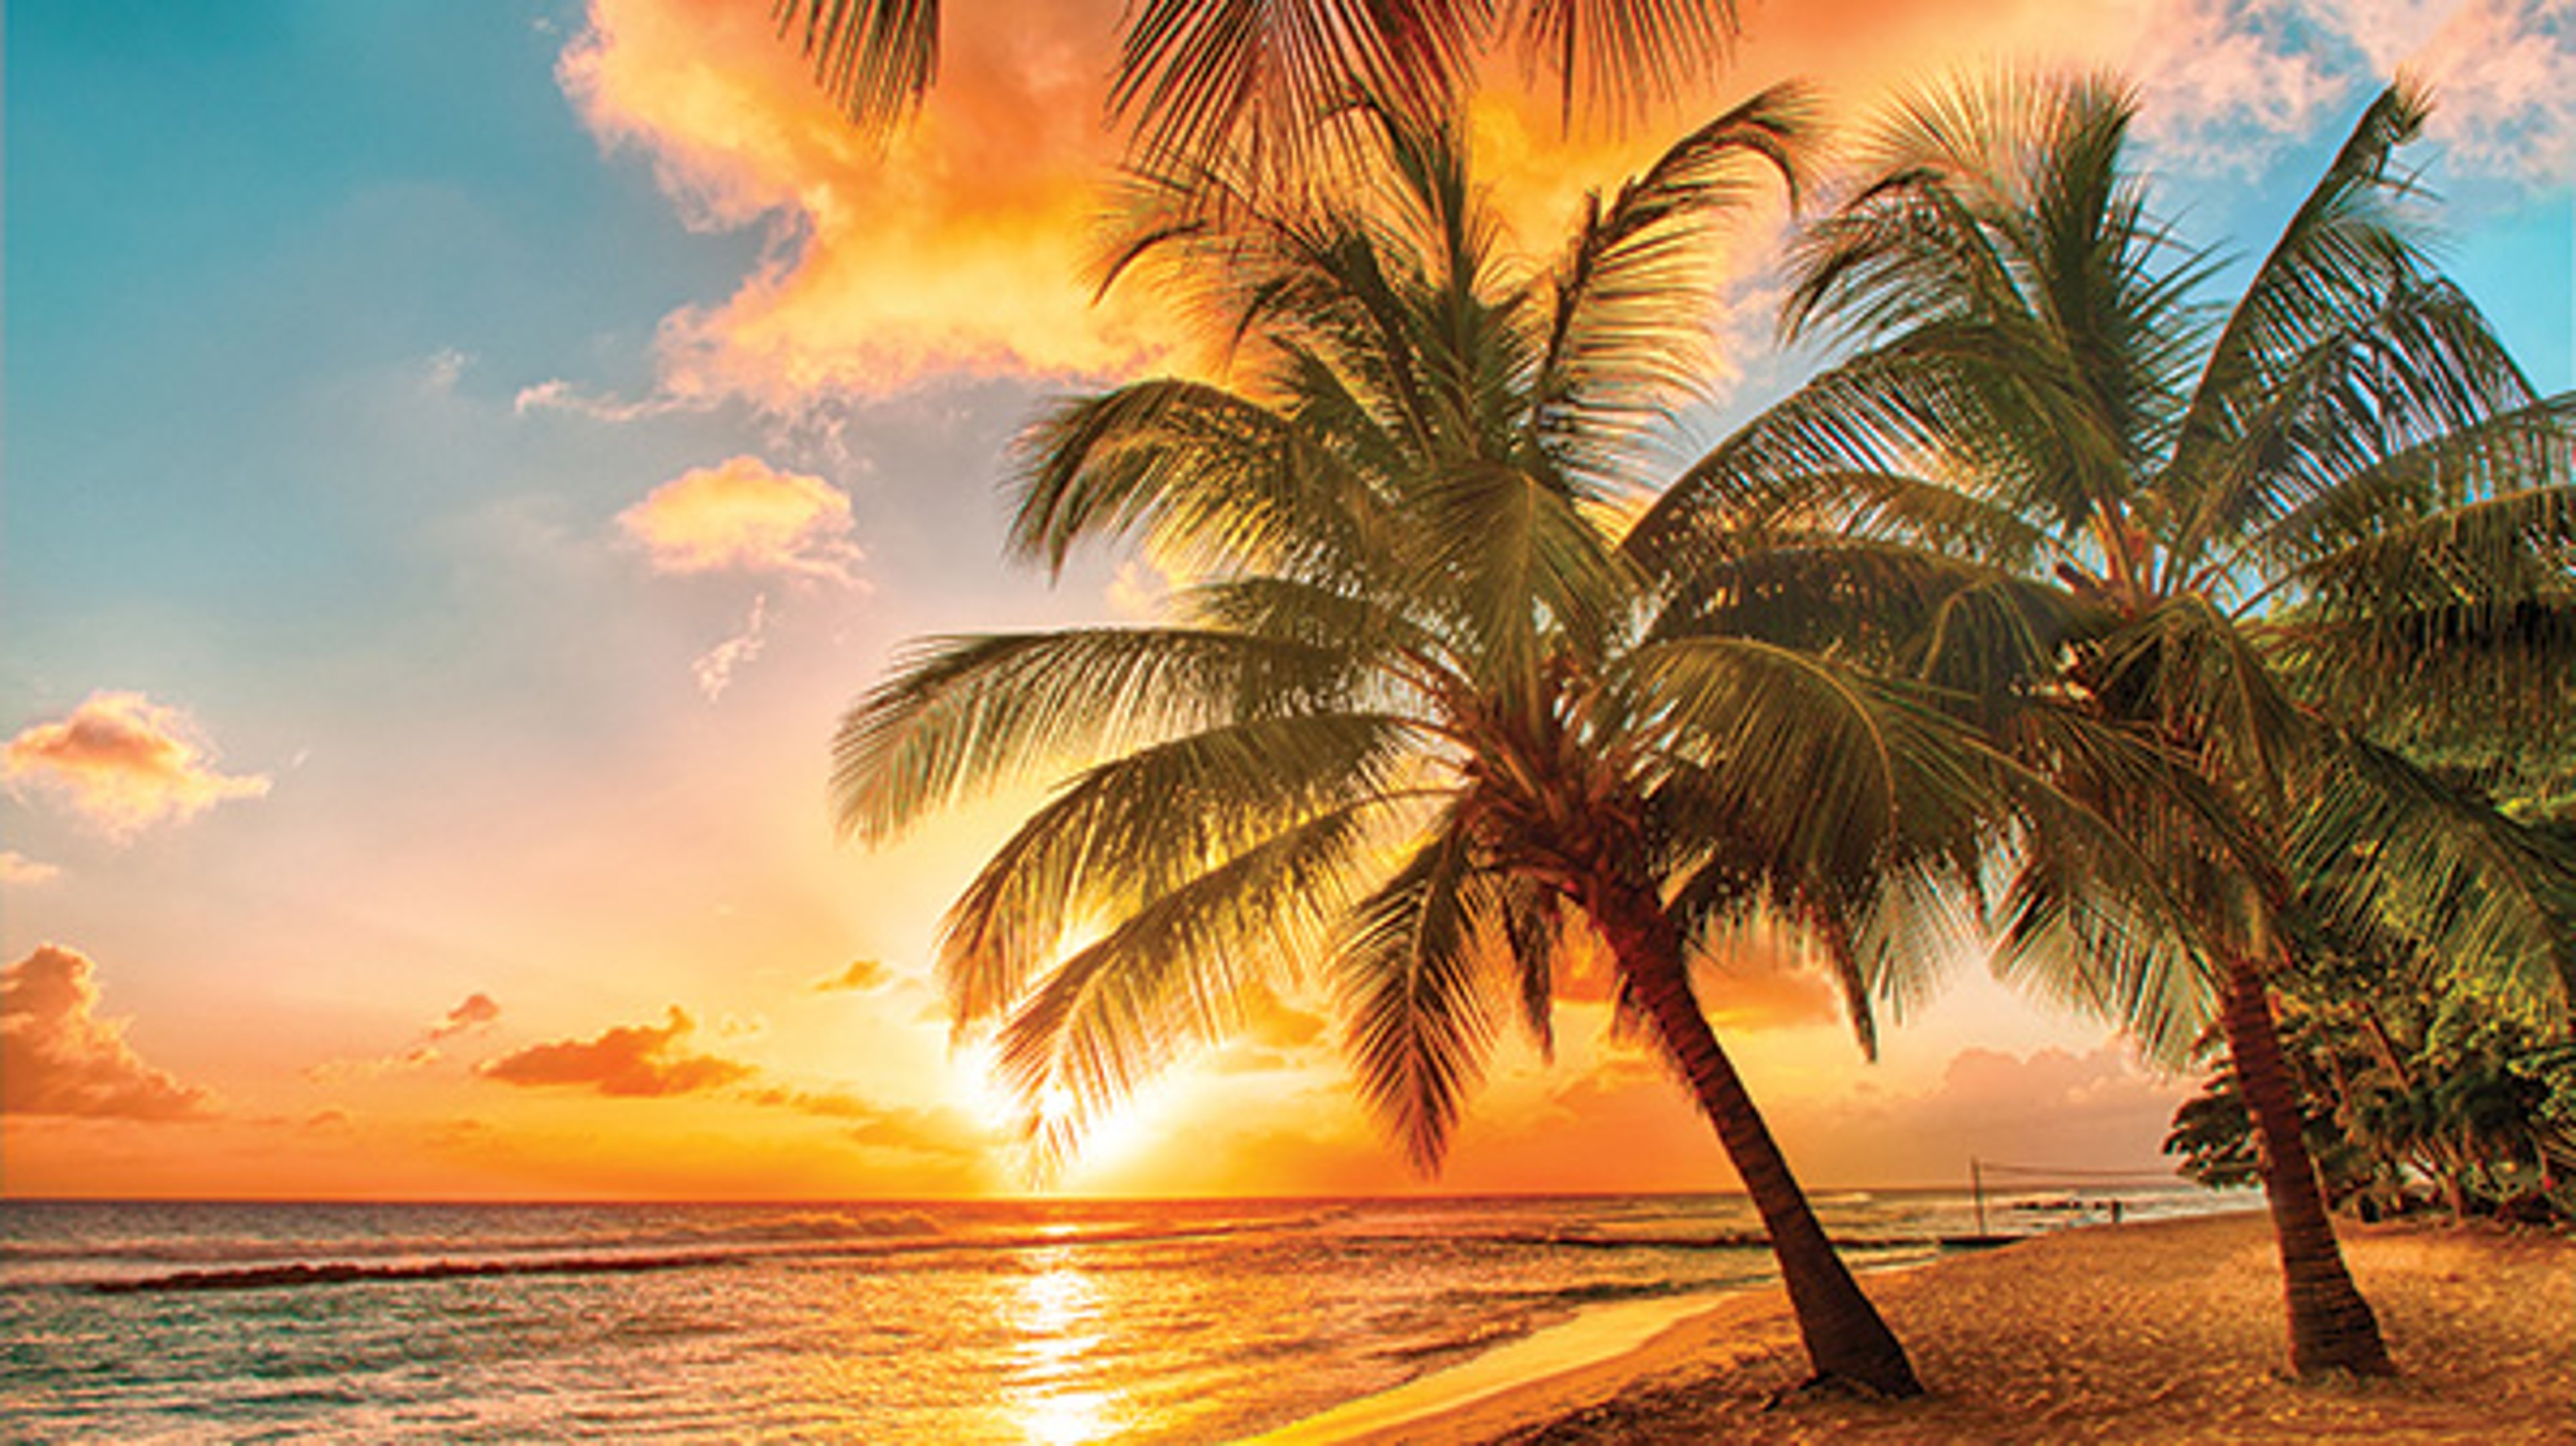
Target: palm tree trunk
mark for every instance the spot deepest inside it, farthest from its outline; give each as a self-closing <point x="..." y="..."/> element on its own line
<point x="2331" y="1326"/>
<point x="1845" y="1338"/>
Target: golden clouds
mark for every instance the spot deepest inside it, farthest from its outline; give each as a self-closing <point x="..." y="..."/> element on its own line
<point x="124" y="763"/>
<point x="631" y="1061"/>
<point x="955" y="245"/>
<point x="57" y="1057"/>
<point x="864" y="976"/>
<point x="742" y="516"/>
<point x="960" y="242"/>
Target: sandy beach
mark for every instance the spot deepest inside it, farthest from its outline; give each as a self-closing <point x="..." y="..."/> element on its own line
<point x="2160" y="1332"/>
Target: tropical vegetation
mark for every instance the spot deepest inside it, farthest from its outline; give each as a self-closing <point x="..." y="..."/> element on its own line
<point x="1420" y="725"/>
<point x="2276" y="538"/>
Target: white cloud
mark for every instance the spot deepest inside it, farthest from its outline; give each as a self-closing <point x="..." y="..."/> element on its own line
<point x="19" y="871"/>
<point x="714" y="668"/>
<point x="742" y="515"/>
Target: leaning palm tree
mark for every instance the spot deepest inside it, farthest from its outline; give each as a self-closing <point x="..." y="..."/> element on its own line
<point x="1194" y="75"/>
<point x="2271" y="538"/>
<point x="1416" y="723"/>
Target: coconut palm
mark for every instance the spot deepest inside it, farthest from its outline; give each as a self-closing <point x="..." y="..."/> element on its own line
<point x="1192" y="74"/>
<point x="1417" y="724"/>
<point x="2255" y="535"/>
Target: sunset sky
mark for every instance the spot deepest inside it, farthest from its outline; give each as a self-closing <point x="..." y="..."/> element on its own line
<point x="460" y="459"/>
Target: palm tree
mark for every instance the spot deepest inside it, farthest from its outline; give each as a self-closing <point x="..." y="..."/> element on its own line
<point x="2253" y="535"/>
<point x="1417" y="721"/>
<point x="1192" y="75"/>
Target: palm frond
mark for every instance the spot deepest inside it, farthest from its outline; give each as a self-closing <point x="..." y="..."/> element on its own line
<point x="874" y="58"/>
<point x="960" y="716"/>
<point x="2202" y="683"/>
<point x="1628" y="336"/>
<point x="1204" y="477"/>
<point x="1195" y="77"/>
<point x="1619" y="55"/>
<point x="1414" y="970"/>
<point x="2121" y="858"/>
<point x="1972" y="630"/>
<point x="2348" y="245"/>
<point x="1829" y="775"/>
<point x="1893" y="443"/>
<point x="2381" y="840"/>
<point x="1129" y="831"/>
<point x="1516" y="559"/>
<point x="1175" y="973"/>
<point x="2462" y="620"/>
<point x="2402" y="497"/>
<point x="2419" y="373"/>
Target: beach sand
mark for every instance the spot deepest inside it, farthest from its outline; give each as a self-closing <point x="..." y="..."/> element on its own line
<point x="2159" y="1332"/>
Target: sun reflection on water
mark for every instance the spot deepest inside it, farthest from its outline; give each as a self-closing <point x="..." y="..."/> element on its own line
<point x="1059" y="1311"/>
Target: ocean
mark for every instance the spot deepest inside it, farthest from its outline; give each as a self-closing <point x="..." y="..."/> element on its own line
<point x="1036" y="1323"/>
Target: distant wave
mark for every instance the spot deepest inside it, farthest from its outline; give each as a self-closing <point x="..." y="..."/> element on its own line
<point x="626" y="1258"/>
<point x="673" y="1236"/>
<point x="271" y="1277"/>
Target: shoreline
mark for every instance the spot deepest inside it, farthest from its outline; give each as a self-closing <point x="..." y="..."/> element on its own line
<point x="2155" y="1331"/>
<point x="1596" y="1338"/>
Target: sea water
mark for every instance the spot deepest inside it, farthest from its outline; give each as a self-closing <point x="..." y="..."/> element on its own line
<point x="1048" y="1322"/>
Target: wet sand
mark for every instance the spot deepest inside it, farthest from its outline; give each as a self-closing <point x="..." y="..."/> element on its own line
<point x="2163" y="1332"/>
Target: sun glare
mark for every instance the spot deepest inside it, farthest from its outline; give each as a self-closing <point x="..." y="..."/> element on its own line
<point x="1058" y="1321"/>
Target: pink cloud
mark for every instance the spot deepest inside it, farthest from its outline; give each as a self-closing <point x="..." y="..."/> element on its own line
<point x="123" y="764"/>
<point x="742" y="515"/>
<point x="633" y="1061"/>
<point x="57" y="1057"/>
<point x="2504" y="75"/>
<point x="2095" y="1110"/>
<point x="2224" y="84"/>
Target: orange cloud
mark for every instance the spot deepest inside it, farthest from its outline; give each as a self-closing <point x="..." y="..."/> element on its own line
<point x="123" y="764"/>
<point x="1276" y="1035"/>
<point x="637" y="1061"/>
<point x="478" y="1011"/>
<point x="863" y="976"/>
<point x="741" y="515"/>
<point x="956" y="245"/>
<point x="1767" y="987"/>
<point x="959" y="244"/>
<point x="920" y="1132"/>
<point x="57" y="1057"/>
<point x="18" y="870"/>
